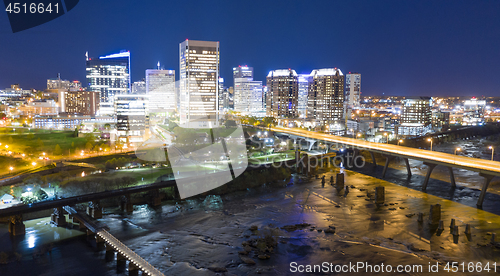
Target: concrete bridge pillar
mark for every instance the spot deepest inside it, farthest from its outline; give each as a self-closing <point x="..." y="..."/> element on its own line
<point x="94" y="209"/>
<point x="121" y="262"/>
<point x="374" y="161"/>
<point x="110" y="253"/>
<point x="16" y="225"/>
<point x="155" y="198"/>
<point x="340" y="181"/>
<point x="58" y="217"/>
<point x="100" y="243"/>
<point x="487" y="180"/>
<point x="388" y="159"/>
<point x="452" y="178"/>
<point x="429" y="171"/>
<point x="133" y="270"/>
<point x="126" y="204"/>
<point x="408" y="169"/>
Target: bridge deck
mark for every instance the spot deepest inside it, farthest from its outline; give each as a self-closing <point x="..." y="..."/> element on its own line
<point x="439" y="158"/>
<point x="133" y="257"/>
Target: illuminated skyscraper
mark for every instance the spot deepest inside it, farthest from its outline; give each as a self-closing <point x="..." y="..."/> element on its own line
<point x="352" y="93"/>
<point x="303" y="93"/>
<point x="247" y="95"/>
<point x="353" y="89"/>
<point x="416" y="116"/>
<point x="242" y="72"/>
<point x="282" y="94"/>
<point x="109" y="75"/>
<point x="199" y="89"/>
<point x="326" y="96"/>
<point x="160" y="86"/>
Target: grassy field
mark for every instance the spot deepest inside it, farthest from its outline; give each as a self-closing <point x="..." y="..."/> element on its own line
<point x="36" y="141"/>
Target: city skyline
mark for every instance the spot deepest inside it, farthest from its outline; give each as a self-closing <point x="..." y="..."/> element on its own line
<point x="419" y="61"/>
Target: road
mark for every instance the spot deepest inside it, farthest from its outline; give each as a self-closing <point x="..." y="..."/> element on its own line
<point x="439" y="158"/>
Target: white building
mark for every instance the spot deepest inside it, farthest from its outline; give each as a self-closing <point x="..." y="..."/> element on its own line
<point x="247" y="95"/>
<point x="160" y="87"/>
<point x="132" y="119"/>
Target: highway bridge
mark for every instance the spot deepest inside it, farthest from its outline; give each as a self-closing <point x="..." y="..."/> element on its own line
<point x="486" y="168"/>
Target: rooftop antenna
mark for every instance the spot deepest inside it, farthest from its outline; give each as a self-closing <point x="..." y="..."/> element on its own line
<point x="158" y="65"/>
<point x="87" y="55"/>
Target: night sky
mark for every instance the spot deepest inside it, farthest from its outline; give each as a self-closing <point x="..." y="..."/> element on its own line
<point x="432" y="48"/>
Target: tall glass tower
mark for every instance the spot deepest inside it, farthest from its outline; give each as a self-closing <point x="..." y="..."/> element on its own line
<point x="199" y="89"/>
<point x="109" y="75"/>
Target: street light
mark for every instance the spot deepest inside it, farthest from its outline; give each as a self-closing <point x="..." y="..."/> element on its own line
<point x="457" y="149"/>
<point x="11" y="168"/>
<point x="492" y="151"/>
<point x="359" y="135"/>
<point x="387" y="136"/>
<point x="34" y="163"/>
<point x="400" y="141"/>
<point x="430" y="140"/>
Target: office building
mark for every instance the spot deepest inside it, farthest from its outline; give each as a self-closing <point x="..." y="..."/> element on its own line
<point x="326" y="98"/>
<point x="109" y="75"/>
<point x="416" y="116"/>
<point x="138" y="87"/>
<point x="247" y="95"/>
<point x="82" y="102"/>
<point x="473" y="112"/>
<point x="353" y="89"/>
<point x="242" y="72"/>
<point x="303" y="93"/>
<point x="160" y="87"/>
<point x="132" y="119"/>
<point x="282" y="94"/>
<point x="199" y="89"/>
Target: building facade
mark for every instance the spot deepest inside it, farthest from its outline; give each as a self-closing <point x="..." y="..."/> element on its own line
<point x="160" y="87"/>
<point x="282" y="94"/>
<point x="242" y="72"/>
<point x="132" y="118"/>
<point x="82" y="102"/>
<point x="109" y="75"/>
<point x="303" y="94"/>
<point x="326" y="97"/>
<point x="247" y="95"/>
<point x="199" y="89"/>
<point x="416" y="116"/>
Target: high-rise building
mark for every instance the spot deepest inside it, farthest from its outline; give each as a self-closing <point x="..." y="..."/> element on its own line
<point x="326" y="97"/>
<point x="303" y="93"/>
<point x="82" y="102"/>
<point x="242" y="72"/>
<point x="247" y="95"/>
<point x="199" y="89"/>
<point x="109" y="75"/>
<point x="138" y="87"/>
<point x="416" y="116"/>
<point x="132" y="119"/>
<point x="282" y="94"/>
<point x="352" y="93"/>
<point x="160" y="87"/>
<point x="353" y="89"/>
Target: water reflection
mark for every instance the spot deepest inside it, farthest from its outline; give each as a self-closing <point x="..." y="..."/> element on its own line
<point x="31" y="240"/>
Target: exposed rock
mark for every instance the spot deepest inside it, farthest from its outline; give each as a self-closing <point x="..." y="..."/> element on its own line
<point x="254" y="228"/>
<point x="264" y="257"/>
<point x="247" y="260"/>
<point x="243" y="252"/>
<point x="410" y="215"/>
<point x="291" y="228"/>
